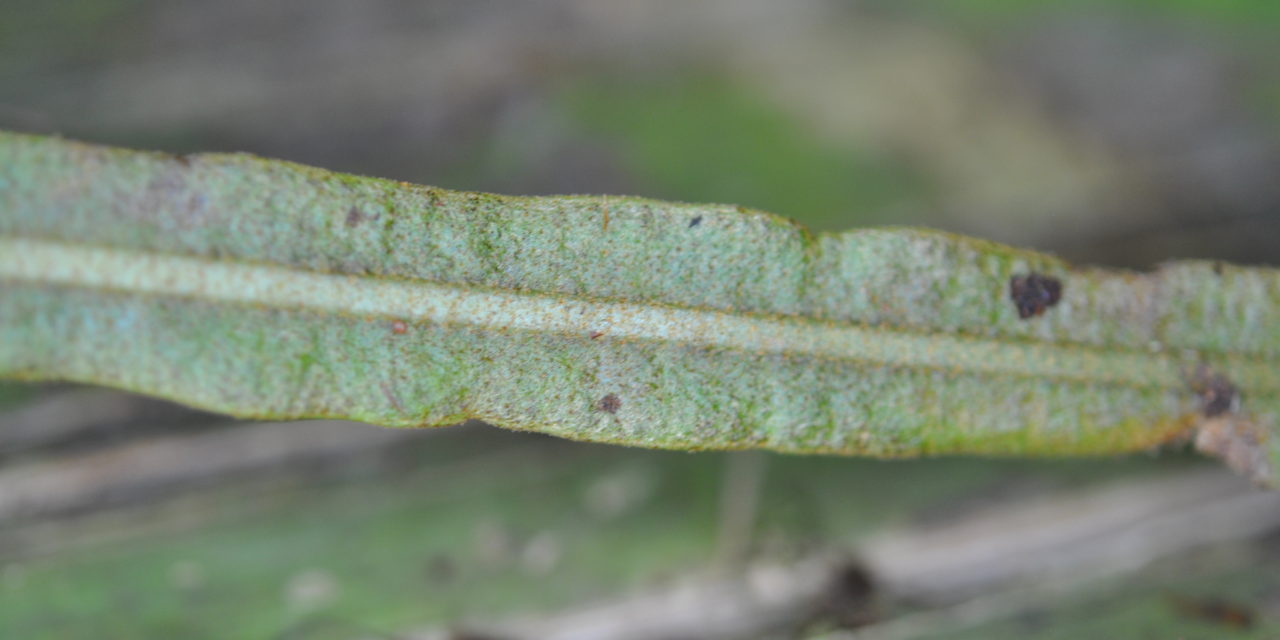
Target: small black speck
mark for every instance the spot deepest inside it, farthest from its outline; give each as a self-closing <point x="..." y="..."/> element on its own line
<point x="697" y="220"/>
<point x="1033" y="293"/>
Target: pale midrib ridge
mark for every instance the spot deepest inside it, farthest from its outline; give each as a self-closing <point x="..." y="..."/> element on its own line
<point x="92" y="267"/>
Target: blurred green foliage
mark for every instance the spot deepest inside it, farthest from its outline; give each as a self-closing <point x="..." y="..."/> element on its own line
<point x="1234" y="13"/>
<point x="449" y="538"/>
<point x="701" y="138"/>
<point x="1221" y="600"/>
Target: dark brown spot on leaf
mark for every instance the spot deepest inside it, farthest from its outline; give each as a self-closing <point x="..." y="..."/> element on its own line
<point x="355" y="217"/>
<point x="1033" y="293"/>
<point x="399" y="327"/>
<point x="1217" y="394"/>
<point x="1218" y="399"/>
<point x="697" y="220"/>
<point x="609" y="404"/>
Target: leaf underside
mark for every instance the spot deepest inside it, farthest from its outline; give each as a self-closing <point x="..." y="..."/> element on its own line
<point x="271" y="290"/>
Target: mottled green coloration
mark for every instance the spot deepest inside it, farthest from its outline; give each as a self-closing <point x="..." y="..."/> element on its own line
<point x="267" y="289"/>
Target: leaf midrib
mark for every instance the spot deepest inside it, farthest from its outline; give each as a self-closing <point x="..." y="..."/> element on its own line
<point x="132" y="271"/>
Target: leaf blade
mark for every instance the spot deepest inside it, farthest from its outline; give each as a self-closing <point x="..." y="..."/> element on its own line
<point x="268" y="289"/>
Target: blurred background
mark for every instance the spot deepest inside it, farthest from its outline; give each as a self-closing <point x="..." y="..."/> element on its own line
<point x="1121" y="133"/>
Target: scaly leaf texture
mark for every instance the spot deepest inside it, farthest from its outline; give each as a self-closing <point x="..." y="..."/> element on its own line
<point x="271" y="290"/>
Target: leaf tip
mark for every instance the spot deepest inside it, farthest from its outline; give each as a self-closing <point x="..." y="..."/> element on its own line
<point x="1240" y="443"/>
<point x="1223" y="432"/>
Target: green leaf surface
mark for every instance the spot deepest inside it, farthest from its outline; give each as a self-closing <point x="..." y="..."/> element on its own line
<point x="267" y="289"/>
